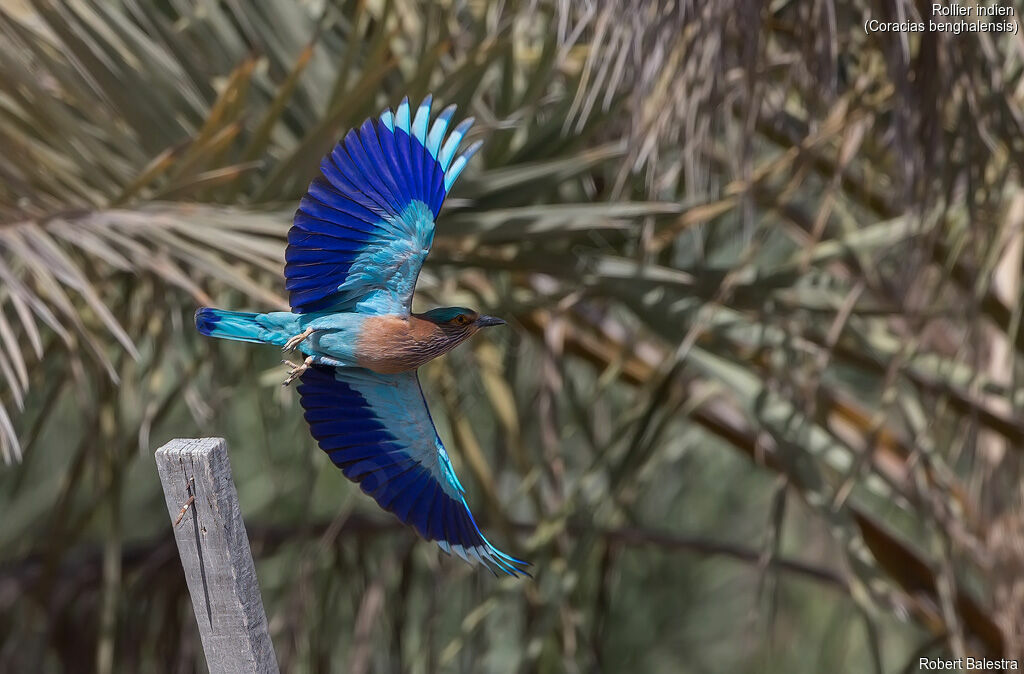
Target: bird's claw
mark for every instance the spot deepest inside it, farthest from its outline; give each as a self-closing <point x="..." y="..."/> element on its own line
<point x="295" y="371"/>
<point x="293" y="342"/>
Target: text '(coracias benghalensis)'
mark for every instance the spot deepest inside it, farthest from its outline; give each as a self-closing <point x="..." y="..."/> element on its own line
<point x="355" y="250"/>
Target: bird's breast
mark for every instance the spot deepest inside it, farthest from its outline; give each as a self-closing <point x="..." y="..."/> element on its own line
<point x="392" y="344"/>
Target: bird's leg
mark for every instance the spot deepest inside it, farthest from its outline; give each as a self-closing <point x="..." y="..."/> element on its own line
<point x="321" y="359"/>
<point x="293" y="342"/>
<point x="295" y="371"/>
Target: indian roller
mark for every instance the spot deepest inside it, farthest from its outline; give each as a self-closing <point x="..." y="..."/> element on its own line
<point x="355" y="249"/>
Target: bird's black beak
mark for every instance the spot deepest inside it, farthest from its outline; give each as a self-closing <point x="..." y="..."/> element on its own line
<point x="488" y="321"/>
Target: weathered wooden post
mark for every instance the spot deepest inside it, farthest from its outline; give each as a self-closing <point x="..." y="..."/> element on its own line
<point x="203" y="506"/>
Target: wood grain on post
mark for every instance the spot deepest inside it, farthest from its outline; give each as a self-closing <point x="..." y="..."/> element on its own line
<point x="203" y="506"/>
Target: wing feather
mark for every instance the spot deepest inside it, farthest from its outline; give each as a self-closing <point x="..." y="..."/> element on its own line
<point x="365" y="225"/>
<point x="377" y="429"/>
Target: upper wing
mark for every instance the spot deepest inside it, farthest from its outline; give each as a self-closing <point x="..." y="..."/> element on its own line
<point x="366" y="223"/>
<point x="378" y="430"/>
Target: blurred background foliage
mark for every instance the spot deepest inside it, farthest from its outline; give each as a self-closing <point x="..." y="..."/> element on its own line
<point x="758" y="408"/>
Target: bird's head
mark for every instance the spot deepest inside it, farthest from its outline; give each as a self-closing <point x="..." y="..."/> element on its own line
<point x="460" y="320"/>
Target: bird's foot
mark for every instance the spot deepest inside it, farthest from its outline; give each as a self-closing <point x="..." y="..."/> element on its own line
<point x="295" y="371"/>
<point x="293" y="342"/>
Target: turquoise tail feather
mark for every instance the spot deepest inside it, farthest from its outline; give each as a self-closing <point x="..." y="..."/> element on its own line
<point x="241" y="326"/>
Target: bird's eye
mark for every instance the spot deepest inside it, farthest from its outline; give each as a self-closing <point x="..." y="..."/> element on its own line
<point x="461" y="319"/>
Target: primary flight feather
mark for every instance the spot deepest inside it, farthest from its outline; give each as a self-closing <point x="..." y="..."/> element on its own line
<point x="355" y="250"/>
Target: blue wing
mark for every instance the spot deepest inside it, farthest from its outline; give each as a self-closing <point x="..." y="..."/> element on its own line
<point x="378" y="430"/>
<point x="365" y="225"/>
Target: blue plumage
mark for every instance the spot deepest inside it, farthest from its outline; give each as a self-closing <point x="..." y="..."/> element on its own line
<point x="207" y="320"/>
<point x="384" y="182"/>
<point x="238" y="325"/>
<point x="355" y="249"/>
<point x="352" y="417"/>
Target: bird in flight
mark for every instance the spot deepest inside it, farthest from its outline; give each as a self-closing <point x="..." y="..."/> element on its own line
<point x="355" y="249"/>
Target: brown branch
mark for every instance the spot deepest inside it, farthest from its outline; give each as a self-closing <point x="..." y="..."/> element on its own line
<point x="903" y="565"/>
<point x="82" y="566"/>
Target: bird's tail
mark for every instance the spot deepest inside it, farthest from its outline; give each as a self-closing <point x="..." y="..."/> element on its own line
<point x="238" y="325"/>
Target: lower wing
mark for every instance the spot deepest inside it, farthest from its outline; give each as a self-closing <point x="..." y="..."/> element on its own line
<point x="378" y="430"/>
